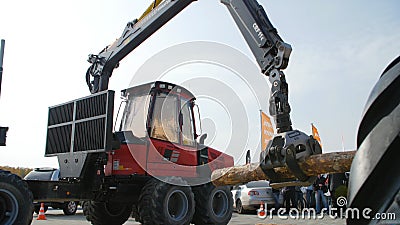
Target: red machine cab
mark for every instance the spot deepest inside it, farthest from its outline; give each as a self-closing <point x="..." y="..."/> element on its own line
<point x="157" y="135"/>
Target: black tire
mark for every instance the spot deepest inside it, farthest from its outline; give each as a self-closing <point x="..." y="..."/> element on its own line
<point x="37" y="208"/>
<point x="239" y="207"/>
<point x="378" y="144"/>
<point x="106" y="213"/>
<point x="16" y="200"/>
<point x="213" y="205"/>
<point x="70" y="208"/>
<point x="163" y="203"/>
<point x="85" y="209"/>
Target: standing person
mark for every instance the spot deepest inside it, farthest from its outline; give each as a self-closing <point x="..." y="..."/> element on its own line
<point x="289" y="196"/>
<point x="309" y="195"/>
<point x="300" y="204"/>
<point x="320" y="188"/>
<point x="276" y="194"/>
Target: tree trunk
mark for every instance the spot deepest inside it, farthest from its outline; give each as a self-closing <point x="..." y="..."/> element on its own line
<point x="336" y="162"/>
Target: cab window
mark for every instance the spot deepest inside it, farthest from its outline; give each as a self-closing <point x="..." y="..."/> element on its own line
<point x="165" y="119"/>
<point x="135" y="115"/>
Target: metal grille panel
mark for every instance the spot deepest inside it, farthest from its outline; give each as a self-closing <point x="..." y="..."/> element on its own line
<point x="91" y="107"/>
<point x="61" y="114"/>
<point x="59" y="139"/>
<point x="82" y="125"/>
<point x="89" y="135"/>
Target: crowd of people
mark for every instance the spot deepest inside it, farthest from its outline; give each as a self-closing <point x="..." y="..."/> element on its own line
<point x="317" y="196"/>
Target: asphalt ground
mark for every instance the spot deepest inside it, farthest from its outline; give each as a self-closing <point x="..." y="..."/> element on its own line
<point x="57" y="217"/>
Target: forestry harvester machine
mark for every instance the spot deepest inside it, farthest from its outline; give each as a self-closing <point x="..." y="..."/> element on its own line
<point x="154" y="165"/>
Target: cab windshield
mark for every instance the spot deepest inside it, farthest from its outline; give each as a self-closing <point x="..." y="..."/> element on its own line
<point x="171" y="119"/>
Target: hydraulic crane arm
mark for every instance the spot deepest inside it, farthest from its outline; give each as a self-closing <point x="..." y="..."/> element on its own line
<point x="136" y="32"/>
<point x="272" y="55"/>
<point x="270" y="51"/>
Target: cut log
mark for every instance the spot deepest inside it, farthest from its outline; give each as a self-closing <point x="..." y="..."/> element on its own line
<point x="335" y="162"/>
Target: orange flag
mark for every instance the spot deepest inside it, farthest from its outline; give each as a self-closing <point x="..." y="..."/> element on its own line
<point x="267" y="131"/>
<point x="315" y="134"/>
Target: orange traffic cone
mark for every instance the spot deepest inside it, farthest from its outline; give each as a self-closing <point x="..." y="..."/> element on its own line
<point x="41" y="215"/>
<point x="261" y="212"/>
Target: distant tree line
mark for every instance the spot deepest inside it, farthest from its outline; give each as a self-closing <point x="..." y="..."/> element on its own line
<point x="20" y="171"/>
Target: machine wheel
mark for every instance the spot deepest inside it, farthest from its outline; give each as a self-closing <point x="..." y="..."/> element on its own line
<point x="15" y="200"/>
<point x="37" y="208"/>
<point x="70" y="208"/>
<point x="378" y="144"/>
<point x="213" y="205"/>
<point x="85" y="209"/>
<point x="163" y="203"/>
<point x="239" y="207"/>
<point x="106" y="213"/>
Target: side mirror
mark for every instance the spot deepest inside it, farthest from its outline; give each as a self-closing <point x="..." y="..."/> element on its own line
<point x="248" y="157"/>
<point x="3" y="135"/>
<point x="202" y="138"/>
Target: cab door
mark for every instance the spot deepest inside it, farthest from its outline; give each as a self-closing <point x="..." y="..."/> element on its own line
<point x="172" y="151"/>
<point x="188" y="144"/>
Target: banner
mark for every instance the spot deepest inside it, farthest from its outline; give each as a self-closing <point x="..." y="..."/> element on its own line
<point x="315" y="134"/>
<point x="267" y="131"/>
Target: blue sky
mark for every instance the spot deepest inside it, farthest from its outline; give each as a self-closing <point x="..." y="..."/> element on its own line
<point x="339" y="50"/>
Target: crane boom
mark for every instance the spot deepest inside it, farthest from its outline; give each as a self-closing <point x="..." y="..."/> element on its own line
<point x="267" y="46"/>
<point x="135" y="32"/>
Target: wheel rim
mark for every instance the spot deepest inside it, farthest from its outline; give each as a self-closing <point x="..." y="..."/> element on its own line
<point x="177" y="205"/>
<point x="8" y="207"/>
<point x="71" y="206"/>
<point x="220" y="203"/>
<point x="239" y="206"/>
<point x="115" y="210"/>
